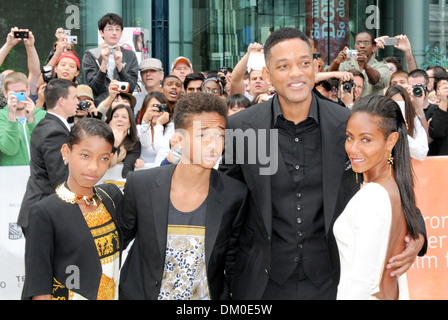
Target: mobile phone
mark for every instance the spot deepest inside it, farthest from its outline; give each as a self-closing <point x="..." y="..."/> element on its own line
<point x="162" y="107"/>
<point x="391" y="42"/>
<point x="316" y="56"/>
<point x="21" y="34"/>
<point x="20" y="96"/>
<point x="112" y="50"/>
<point x="223" y="70"/>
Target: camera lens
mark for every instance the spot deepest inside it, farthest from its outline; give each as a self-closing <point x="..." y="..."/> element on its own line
<point x="418" y="91"/>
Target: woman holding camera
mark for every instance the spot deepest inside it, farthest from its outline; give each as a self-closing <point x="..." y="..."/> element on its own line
<point x="417" y="135"/>
<point x="127" y="143"/>
<point x="154" y="126"/>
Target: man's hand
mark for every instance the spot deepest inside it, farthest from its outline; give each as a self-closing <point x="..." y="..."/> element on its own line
<point x="12" y="107"/>
<point x="362" y="61"/>
<point x="402" y="262"/>
<point x="30" y="107"/>
<point x="118" y="56"/>
<point x="10" y="40"/>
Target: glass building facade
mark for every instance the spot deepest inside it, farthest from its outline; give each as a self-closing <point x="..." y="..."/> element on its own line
<point x="215" y="33"/>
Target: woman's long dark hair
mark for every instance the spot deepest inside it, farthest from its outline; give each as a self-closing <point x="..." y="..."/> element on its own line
<point x="409" y="109"/>
<point x="132" y="137"/>
<point x="159" y="96"/>
<point x="391" y="120"/>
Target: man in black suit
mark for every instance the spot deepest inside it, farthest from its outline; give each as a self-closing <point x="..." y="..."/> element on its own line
<point x="183" y="218"/>
<point x="47" y="169"/>
<point x="286" y="249"/>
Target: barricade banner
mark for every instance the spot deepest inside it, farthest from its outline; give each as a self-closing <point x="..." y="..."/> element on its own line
<point x="12" y="242"/>
<point x="13" y="182"/>
<point x="428" y="277"/>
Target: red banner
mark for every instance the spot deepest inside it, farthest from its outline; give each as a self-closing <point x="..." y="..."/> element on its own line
<point x="328" y="24"/>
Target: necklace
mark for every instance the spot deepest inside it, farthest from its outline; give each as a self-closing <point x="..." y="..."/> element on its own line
<point x="66" y="195"/>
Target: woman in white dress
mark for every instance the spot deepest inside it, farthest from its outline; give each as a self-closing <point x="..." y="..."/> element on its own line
<point x="417" y="134"/>
<point x="376" y="221"/>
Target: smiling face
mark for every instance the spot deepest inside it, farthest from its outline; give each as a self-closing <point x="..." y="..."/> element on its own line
<point x="366" y="145"/>
<point x="290" y="69"/>
<point x="120" y="120"/>
<point x="88" y="162"/>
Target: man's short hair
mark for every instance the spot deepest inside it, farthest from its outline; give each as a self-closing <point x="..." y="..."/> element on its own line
<point x="15" y="77"/>
<point x="112" y="19"/>
<point x="399" y="73"/>
<point x="439" y="72"/>
<point x="193" y="77"/>
<point x="281" y="35"/>
<point x="195" y="104"/>
<point x="56" y="89"/>
<point x="419" y="73"/>
<point x="168" y="77"/>
<point x="394" y="60"/>
<point x="357" y="73"/>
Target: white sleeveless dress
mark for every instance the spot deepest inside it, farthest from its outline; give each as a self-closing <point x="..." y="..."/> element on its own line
<point x="362" y="234"/>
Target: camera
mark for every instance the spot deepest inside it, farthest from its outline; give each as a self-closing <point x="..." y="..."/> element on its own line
<point x="112" y="50"/>
<point x="348" y="86"/>
<point x="72" y="40"/>
<point x="84" y="105"/>
<point x="20" y="96"/>
<point x="316" y="56"/>
<point x="47" y="73"/>
<point x="21" y="34"/>
<point x="352" y="54"/>
<point x="418" y="90"/>
<point x="162" y="107"/>
<point x="123" y="86"/>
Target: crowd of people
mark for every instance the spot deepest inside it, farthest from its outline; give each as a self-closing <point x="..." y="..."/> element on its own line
<point x="249" y="236"/>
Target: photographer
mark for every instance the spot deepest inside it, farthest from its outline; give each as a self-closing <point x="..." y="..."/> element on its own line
<point x="351" y="91"/>
<point x="17" y="121"/>
<point x="86" y="106"/>
<point x="376" y="73"/>
<point x="33" y="58"/>
<point x="110" y="61"/>
<point x="115" y="98"/>
<point x="438" y="127"/>
<point x="404" y="45"/>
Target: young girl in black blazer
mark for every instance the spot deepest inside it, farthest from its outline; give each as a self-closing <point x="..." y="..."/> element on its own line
<point x="74" y="245"/>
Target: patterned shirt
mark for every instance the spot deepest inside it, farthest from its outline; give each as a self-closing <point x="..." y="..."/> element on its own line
<point x="185" y="272"/>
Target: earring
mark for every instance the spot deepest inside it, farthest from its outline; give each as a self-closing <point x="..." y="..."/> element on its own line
<point x="65" y="162"/>
<point x="390" y="161"/>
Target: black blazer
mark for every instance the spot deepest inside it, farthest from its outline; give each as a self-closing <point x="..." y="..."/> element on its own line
<point x="47" y="169"/>
<point x="339" y="185"/>
<point x="145" y="217"/>
<point x="58" y="237"/>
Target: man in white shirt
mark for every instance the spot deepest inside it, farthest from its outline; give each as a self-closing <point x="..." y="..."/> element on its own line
<point x="47" y="169"/>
